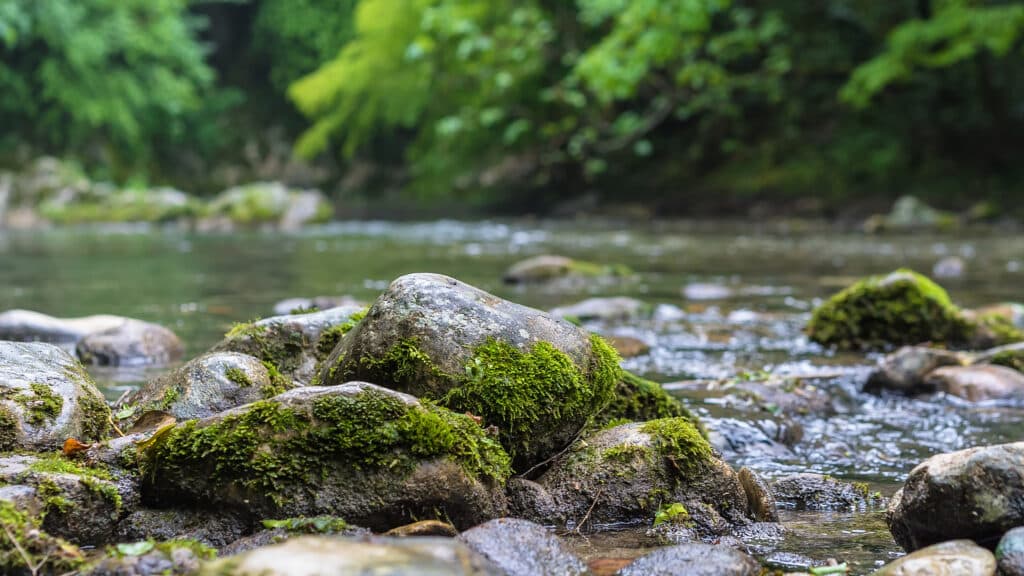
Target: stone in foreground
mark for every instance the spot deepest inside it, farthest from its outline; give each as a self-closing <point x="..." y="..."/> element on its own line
<point x="953" y="558"/>
<point x="375" y="457"/>
<point x="976" y="493"/>
<point x="522" y="548"/>
<point x="319" y="555"/>
<point x="537" y="378"/>
<point x="693" y="559"/>
<point x="1010" y="553"/>
<point x="46" y="397"/>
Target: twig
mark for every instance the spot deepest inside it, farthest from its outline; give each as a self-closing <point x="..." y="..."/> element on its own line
<point x="116" y="429"/>
<point x="587" y="515"/>
<point x="21" y="551"/>
<point x="548" y="461"/>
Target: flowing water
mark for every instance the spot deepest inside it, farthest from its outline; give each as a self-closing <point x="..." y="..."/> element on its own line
<point x="730" y="305"/>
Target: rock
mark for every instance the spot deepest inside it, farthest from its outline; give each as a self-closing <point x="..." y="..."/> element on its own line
<point x="537" y="378"/>
<point x="608" y="309"/>
<point x="106" y="204"/>
<point x="61" y="557"/>
<point x="949" y="267"/>
<point x="293" y="344"/>
<point x="905" y="370"/>
<point x="976" y="383"/>
<point x="627" y="346"/>
<point x="269" y="204"/>
<point x="77" y="502"/>
<point x="637" y="399"/>
<point x="547" y="268"/>
<point x="131" y="343"/>
<point x="624" y="474"/>
<point x="29" y="326"/>
<point x="522" y="548"/>
<point x="296" y="305"/>
<point x="990" y="329"/>
<point x="319" y="555"/>
<point x="370" y="455"/>
<point x="910" y="214"/>
<point x="976" y="493"/>
<point x="694" y="559"/>
<point x="900" y="308"/>
<point x="208" y="385"/>
<point x="705" y="291"/>
<point x="763" y="439"/>
<point x="424" y="528"/>
<point x="210" y="527"/>
<point x="760" y="499"/>
<point x="773" y="395"/>
<point x="45" y="398"/>
<point x="1010" y="355"/>
<point x="146" y="558"/>
<point x="817" y="492"/>
<point x="1013" y="312"/>
<point x="280" y="530"/>
<point x="1010" y="553"/>
<point x="953" y="558"/>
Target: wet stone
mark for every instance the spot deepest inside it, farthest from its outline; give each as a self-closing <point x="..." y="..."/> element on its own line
<point x="953" y="558"/>
<point x="818" y="492"/>
<point x="693" y="559"/>
<point x="522" y="548"/>
<point x="1010" y="553"/>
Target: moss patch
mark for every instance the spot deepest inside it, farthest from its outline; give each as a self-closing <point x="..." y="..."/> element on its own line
<point x="55" y="463"/>
<point x="270" y="450"/>
<point x="309" y="525"/>
<point x="40" y="403"/>
<point x="1009" y="358"/>
<point x="238" y="376"/>
<point x="679" y="441"/>
<point x="21" y="537"/>
<point x="330" y="337"/>
<point x="997" y="328"/>
<point x="271" y="343"/>
<point x="636" y="399"/>
<point x="278" y="382"/>
<point x="9" y="428"/>
<point x="880" y="312"/>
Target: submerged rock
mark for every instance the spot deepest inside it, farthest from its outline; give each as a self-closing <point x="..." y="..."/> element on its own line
<point x="694" y="559"/>
<point x="548" y="268"/>
<point x="131" y="343"/>
<point x="976" y="493"/>
<point x="608" y="309"/>
<point x="900" y="308"/>
<point x="537" y="378"/>
<point x="818" y="492"/>
<point x="949" y="267"/>
<point x="1010" y="553"/>
<point x="522" y="548"/>
<point x="905" y="369"/>
<point x="626" y="473"/>
<point x="976" y="383"/>
<point x="370" y="455"/>
<point x="296" y="305"/>
<point x="76" y="502"/>
<point x="293" y="344"/>
<point x="319" y="555"/>
<point x="953" y="558"/>
<point x="208" y="385"/>
<point x="46" y="397"/>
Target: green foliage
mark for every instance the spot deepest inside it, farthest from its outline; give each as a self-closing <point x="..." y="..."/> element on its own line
<point x="312" y="525"/>
<point x="636" y="399"/>
<point x="119" y="74"/>
<point x="674" y="513"/>
<point x="25" y="548"/>
<point x="680" y="442"/>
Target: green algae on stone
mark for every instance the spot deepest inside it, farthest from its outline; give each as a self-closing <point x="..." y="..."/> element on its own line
<point x="22" y="539"/>
<point x="992" y="329"/>
<point x="330" y="337"/>
<point x="271" y="343"/>
<point x="55" y="463"/>
<point x="9" y="428"/>
<point x="40" y="405"/>
<point x="879" y="312"/>
<point x="309" y="525"/>
<point x="238" y="376"/>
<point x="678" y="440"/>
<point x="636" y="399"/>
<point x="269" y="449"/>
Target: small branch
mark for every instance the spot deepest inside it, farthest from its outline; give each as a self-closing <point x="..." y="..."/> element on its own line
<point x="586" y="516"/>
<point x="21" y="552"/>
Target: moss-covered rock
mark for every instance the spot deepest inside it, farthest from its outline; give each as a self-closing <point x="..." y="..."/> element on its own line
<point x="208" y="385"/>
<point x="77" y="502"/>
<point x="292" y="344"/>
<point x="46" y="397"/>
<point x="625" y="474"/>
<point x="548" y="268"/>
<point x="818" y="492"/>
<point x="267" y="204"/>
<point x="370" y="455"/>
<point x="537" y="378"/>
<point x="880" y="312"/>
<point x="1011" y="356"/>
<point x="25" y="549"/>
<point x="636" y="399"/>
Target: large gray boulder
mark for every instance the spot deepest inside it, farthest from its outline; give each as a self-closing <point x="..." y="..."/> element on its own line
<point x="953" y="558"/>
<point x="375" y="457"/>
<point x="209" y="384"/>
<point x="537" y="378"/>
<point x="522" y="548"/>
<point x="976" y="493"/>
<point x="627" y="473"/>
<point x="321" y="555"/>
<point x="131" y="343"/>
<point x="293" y="344"/>
<point x="694" y="559"/>
<point x="46" y="397"/>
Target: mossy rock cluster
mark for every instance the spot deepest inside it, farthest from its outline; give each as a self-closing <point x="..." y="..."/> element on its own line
<point x="370" y="455"/>
<point x="902" y="308"/>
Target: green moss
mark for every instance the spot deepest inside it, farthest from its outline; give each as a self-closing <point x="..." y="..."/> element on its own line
<point x="674" y="513"/>
<point x="879" y="312"/>
<point x="9" y="428"/>
<point x="997" y="330"/>
<point x="103" y="489"/>
<point x="524" y="394"/>
<point x="171" y="395"/>
<point x="55" y="463"/>
<point x="200" y="550"/>
<point x="636" y="399"/>
<point x="41" y="405"/>
<point x="271" y="343"/>
<point x="625" y="453"/>
<point x="96" y="416"/>
<point x="584" y="268"/>
<point x="310" y="525"/>
<point x="270" y="450"/>
<point x="1009" y="358"/>
<point x="278" y="382"/>
<point x="53" y="496"/>
<point x="238" y="376"/>
<point x="330" y="337"/>
<point x="22" y="536"/>
<point x="679" y="441"/>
